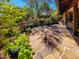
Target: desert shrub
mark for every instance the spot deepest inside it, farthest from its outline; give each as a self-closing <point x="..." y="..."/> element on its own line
<point x="55" y="19"/>
<point x="4" y="31"/>
<point x="16" y="31"/>
<point x="36" y="22"/>
<point x="1" y="42"/>
<point x="60" y="16"/>
<point x="7" y="33"/>
<point x="28" y="29"/>
<point x="51" y="20"/>
<point x="33" y="22"/>
<point x="44" y="16"/>
<point x="42" y="21"/>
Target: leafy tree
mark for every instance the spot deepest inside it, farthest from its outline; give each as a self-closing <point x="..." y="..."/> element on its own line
<point x="38" y="5"/>
<point x="4" y="0"/>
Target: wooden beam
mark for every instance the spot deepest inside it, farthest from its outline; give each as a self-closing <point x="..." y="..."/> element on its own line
<point x="65" y="1"/>
<point x="71" y="4"/>
<point x="75" y="16"/>
<point x="64" y="17"/>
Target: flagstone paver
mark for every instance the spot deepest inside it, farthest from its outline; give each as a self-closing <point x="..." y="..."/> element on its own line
<point x="66" y="48"/>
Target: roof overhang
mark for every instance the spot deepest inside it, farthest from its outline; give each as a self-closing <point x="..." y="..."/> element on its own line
<point x="62" y="5"/>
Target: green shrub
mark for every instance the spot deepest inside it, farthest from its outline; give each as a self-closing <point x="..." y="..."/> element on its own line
<point x="21" y="44"/>
<point x="44" y="16"/>
<point x="4" y="31"/>
<point x="36" y="21"/>
<point x="54" y="19"/>
<point x="60" y="16"/>
<point x="11" y="47"/>
<point x="25" y="54"/>
<point x="16" y="31"/>
<point x="1" y="42"/>
<point x="22" y="41"/>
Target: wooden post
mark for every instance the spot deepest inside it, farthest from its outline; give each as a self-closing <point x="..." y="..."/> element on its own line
<point x="75" y="16"/>
<point x="64" y="17"/>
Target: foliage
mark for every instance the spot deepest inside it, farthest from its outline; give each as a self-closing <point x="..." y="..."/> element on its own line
<point x="22" y="41"/>
<point x="21" y="45"/>
<point x="54" y="12"/>
<point x="60" y="16"/>
<point x="38" y="6"/>
<point x="45" y="20"/>
<point x="25" y="52"/>
<point x="9" y="15"/>
<point x="10" y="37"/>
<point x="4" y="0"/>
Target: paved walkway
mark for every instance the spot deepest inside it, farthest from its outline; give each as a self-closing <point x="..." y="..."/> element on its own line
<point x="58" y="43"/>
